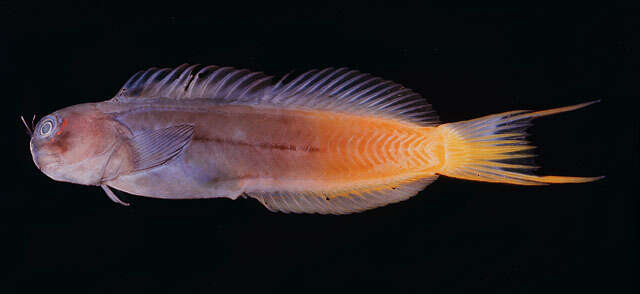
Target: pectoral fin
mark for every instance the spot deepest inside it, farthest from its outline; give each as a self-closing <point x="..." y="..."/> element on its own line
<point x="154" y="148"/>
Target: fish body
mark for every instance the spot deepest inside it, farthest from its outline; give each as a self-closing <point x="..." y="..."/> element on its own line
<point x="330" y="141"/>
<point x="237" y="149"/>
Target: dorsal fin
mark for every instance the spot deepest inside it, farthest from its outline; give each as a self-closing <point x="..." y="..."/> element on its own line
<point x="183" y="82"/>
<point x="341" y="90"/>
<point x="354" y="92"/>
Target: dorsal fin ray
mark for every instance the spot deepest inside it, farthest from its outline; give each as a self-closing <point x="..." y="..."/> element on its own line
<point x="341" y="89"/>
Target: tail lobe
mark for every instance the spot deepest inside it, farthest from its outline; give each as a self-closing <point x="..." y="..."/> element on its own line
<point x="487" y="148"/>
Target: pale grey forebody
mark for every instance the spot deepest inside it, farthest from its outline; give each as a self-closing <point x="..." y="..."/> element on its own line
<point x="226" y="157"/>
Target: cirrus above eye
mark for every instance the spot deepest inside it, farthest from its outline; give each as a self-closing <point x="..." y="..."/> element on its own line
<point x="47" y="127"/>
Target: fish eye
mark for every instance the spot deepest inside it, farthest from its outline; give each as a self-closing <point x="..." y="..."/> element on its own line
<point x="46" y="127"/>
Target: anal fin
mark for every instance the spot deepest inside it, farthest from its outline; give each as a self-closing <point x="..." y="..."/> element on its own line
<point x="341" y="203"/>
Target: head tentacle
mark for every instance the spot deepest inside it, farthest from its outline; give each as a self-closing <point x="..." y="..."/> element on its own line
<point x="29" y="130"/>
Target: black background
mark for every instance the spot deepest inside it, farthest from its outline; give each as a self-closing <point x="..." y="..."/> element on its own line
<point x="455" y="236"/>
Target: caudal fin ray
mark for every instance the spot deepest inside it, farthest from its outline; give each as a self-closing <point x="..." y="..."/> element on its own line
<point x="491" y="149"/>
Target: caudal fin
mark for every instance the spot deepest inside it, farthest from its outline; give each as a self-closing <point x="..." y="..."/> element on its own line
<point x="487" y="148"/>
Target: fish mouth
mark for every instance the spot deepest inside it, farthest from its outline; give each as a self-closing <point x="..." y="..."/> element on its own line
<point x="46" y="161"/>
<point x="42" y="159"/>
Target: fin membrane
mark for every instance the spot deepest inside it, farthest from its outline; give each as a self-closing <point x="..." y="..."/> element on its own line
<point x="331" y="203"/>
<point x="156" y="147"/>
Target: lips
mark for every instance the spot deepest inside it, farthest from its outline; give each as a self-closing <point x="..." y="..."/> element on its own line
<point x="45" y="160"/>
<point x="41" y="158"/>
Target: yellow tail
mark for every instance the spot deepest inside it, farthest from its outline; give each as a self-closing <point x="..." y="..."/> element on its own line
<point x="485" y="149"/>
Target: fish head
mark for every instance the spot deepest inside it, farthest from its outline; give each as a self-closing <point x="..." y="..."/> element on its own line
<point x="74" y="144"/>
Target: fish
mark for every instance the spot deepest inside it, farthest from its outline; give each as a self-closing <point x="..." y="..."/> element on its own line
<point x="329" y="141"/>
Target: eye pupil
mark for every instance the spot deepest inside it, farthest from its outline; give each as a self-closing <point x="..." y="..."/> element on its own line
<point x="46" y="128"/>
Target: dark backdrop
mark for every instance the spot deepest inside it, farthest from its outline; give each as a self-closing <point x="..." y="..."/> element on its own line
<point x="453" y="237"/>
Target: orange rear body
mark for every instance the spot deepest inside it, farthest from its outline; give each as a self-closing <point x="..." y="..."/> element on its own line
<point x="299" y="150"/>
